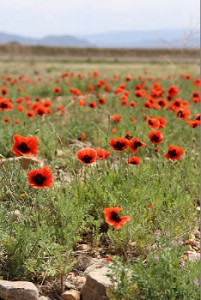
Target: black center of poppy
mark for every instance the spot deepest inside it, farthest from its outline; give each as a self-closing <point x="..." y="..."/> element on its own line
<point x="155" y="138"/>
<point x="40" y="112"/>
<point x="23" y="148"/>
<point x="172" y="153"/>
<point x="177" y="103"/>
<point x="119" y="145"/>
<point x="115" y="217"/>
<point x="39" y="179"/>
<point x="4" y="105"/>
<point x="137" y="144"/>
<point x="180" y="114"/>
<point x="87" y="159"/>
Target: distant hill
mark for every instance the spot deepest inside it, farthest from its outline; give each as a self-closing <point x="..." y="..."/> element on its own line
<point x="169" y="38"/>
<point x="149" y="39"/>
<point x="51" y="40"/>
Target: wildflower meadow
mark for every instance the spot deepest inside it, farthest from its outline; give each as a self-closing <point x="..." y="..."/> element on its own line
<point x="102" y="158"/>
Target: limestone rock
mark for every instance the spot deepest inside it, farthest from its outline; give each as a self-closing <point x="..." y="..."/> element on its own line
<point x="71" y="295"/>
<point x="96" y="284"/>
<point x="193" y="256"/>
<point x="18" y="290"/>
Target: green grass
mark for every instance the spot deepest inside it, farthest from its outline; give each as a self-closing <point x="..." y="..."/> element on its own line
<point x="53" y="220"/>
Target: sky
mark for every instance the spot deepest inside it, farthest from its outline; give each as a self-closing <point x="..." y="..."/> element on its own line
<point x="37" y="18"/>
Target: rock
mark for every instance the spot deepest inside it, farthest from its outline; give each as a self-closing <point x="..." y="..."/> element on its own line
<point x="68" y="285"/>
<point x="96" y="265"/>
<point x="15" y="214"/>
<point x="84" y="261"/>
<point x="96" y="284"/>
<point x="84" y="247"/>
<point x="18" y="290"/>
<point x="192" y="237"/>
<point x="196" y="232"/>
<point x="76" y="281"/>
<point x="193" y="256"/>
<point x="71" y="295"/>
<point x="60" y="154"/>
<point x="44" y="298"/>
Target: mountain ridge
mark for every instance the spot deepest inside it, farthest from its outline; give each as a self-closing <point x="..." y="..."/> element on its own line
<point x="166" y="38"/>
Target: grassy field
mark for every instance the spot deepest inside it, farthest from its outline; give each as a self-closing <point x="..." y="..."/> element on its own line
<point x="42" y="226"/>
<point x="39" y="53"/>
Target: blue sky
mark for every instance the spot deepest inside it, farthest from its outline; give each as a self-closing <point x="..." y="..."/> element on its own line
<point x="37" y="18"/>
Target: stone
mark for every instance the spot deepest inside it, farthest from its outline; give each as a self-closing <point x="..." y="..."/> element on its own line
<point x="96" y="284"/>
<point x="60" y="154"/>
<point x="44" y="298"/>
<point x="15" y="214"/>
<point x="71" y="295"/>
<point x="18" y="290"/>
<point x="84" y="247"/>
<point x="193" y="256"/>
<point x="68" y="285"/>
<point x="84" y="261"/>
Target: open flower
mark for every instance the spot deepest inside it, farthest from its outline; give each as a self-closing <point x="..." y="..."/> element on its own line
<point x="87" y="155"/>
<point x="25" y="146"/>
<point x="135" y="144"/>
<point x="134" y="160"/>
<point x="119" y="144"/>
<point x="102" y="154"/>
<point x="40" y="178"/>
<point x="174" y="152"/>
<point x="112" y="217"/>
<point x="156" y="137"/>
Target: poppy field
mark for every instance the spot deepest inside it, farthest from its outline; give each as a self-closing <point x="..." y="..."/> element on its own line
<point x="108" y="157"/>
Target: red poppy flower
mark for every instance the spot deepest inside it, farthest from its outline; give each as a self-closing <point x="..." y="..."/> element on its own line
<point x="162" y="102"/>
<point x="25" y="146"/>
<point x="57" y="90"/>
<point x="82" y="137"/>
<point x="135" y="144"/>
<point x="197" y="117"/>
<point x="128" y="135"/>
<point x="156" y="137"/>
<point x="17" y="121"/>
<point x="134" y="160"/>
<point x="119" y="144"/>
<point x="133" y="103"/>
<point x="194" y="123"/>
<point x="183" y="114"/>
<point x="134" y="120"/>
<point x="4" y="91"/>
<point x="114" y="130"/>
<point x="92" y="104"/>
<point x="197" y="82"/>
<point x="102" y="100"/>
<point x="30" y="114"/>
<point x="6" y="120"/>
<point x="116" y="118"/>
<point x="173" y="91"/>
<point x="40" y="178"/>
<point x="140" y="93"/>
<point x="102" y="154"/>
<point x="174" y="152"/>
<point x="5" y="104"/>
<point x="153" y="122"/>
<point x="112" y="217"/>
<point x="87" y="155"/>
<point x="47" y="103"/>
<point x="40" y="110"/>
<point x="162" y="121"/>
